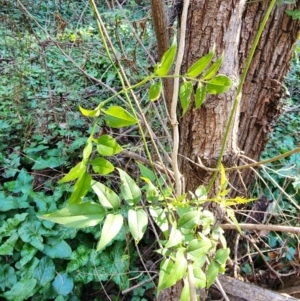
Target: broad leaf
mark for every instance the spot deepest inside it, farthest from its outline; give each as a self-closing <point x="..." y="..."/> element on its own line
<point x="200" y="95"/>
<point x="218" y="84"/>
<point x="138" y="222"/>
<point x="108" y="146"/>
<point x="185" y="293"/>
<point x="45" y="271"/>
<point x="22" y="290"/>
<point x="117" y="117"/>
<point x="63" y="284"/>
<point x="155" y="90"/>
<point x="201" y="64"/>
<point x="108" y="198"/>
<point x="213" y="69"/>
<point x="171" y="272"/>
<point x="102" y="166"/>
<point x="146" y="172"/>
<point x="211" y="273"/>
<point x="198" y="248"/>
<point x="89" y="113"/>
<point x="189" y="220"/>
<point x="152" y="194"/>
<point x="111" y="227"/>
<point x="160" y="218"/>
<point x="74" y="173"/>
<point x="222" y="256"/>
<point x="185" y="91"/>
<point x="200" y="278"/>
<point x="56" y="248"/>
<point x="78" y="215"/>
<point x="175" y="237"/>
<point x="164" y="66"/>
<point x="130" y="191"/>
<point x="81" y="188"/>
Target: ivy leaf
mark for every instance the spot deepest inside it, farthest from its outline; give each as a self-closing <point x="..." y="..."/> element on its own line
<point x="8" y="276"/>
<point x="63" y="284"/>
<point x="130" y="191"/>
<point x="22" y="290"/>
<point x="111" y="227"/>
<point x="89" y="113"/>
<point x="108" y="146"/>
<point x="219" y="84"/>
<point x="108" y="198"/>
<point x="82" y="215"/>
<point x="102" y="166"/>
<point x="117" y="117"/>
<point x="57" y="249"/>
<point x="27" y="253"/>
<point x="137" y="222"/>
<point x="45" y="271"/>
<point x="81" y="188"/>
<point x="185" y="91"/>
<point x="164" y="66"/>
<point x="201" y="64"/>
<point x="200" y="95"/>
<point x="214" y="68"/>
<point x="74" y="173"/>
<point x="155" y="90"/>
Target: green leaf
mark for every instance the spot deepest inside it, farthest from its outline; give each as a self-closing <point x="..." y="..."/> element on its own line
<point x="219" y="84"/>
<point x="146" y="172"/>
<point x="22" y="290"/>
<point x="81" y="188"/>
<point x="152" y="194"/>
<point x="201" y="193"/>
<point x="89" y="113"/>
<point x="8" y="276"/>
<point x="214" y="68"/>
<point x="200" y="278"/>
<point x="295" y="14"/>
<point x="200" y="95"/>
<point x="155" y="90"/>
<point x="102" y="166"/>
<point x="222" y="256"/>
<point x="171" y="272"/>
<point x="108" y="198"/>
<point x="45" y="271"/>
<point x="27" y="253"/>
<point x="87" y="151"/>
<point x="164" y="66"/>
<point x="117" y="117"/>
<point x="160" y="218"/>
<point x="211" y="274"/>
<point x="63" y="284"/>
<point x="74" y="173"/>
<point x="185" y="293"/>
<point x="130" y="191"/>
<point x="108" y="146"/>
<point x="138" y="222"/>
<point x="185" y="91"/>
<point x="111" y="227"/>
<point x="175" y="237"/>
<point x="198" y="248"/>
<point x="57" y="249"/>
<point x="189" y="220"/>
<point x="201" y="64"/>
<point x="31" y="232"/>
<point x="77" y="215"/>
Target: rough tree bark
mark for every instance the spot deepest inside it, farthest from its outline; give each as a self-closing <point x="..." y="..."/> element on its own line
<point x="231" y="26"/>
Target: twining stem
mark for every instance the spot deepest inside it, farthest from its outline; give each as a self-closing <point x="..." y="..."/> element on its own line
<point x="173" y="113"/>
<point x="239" y="89"/>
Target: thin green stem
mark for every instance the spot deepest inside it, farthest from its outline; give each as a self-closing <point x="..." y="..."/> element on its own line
<point x="239" y="89"/>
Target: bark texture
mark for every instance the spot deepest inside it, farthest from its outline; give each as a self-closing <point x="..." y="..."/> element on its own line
<point x="232" y="26"/>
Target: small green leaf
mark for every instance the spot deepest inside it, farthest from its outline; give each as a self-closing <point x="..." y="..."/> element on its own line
<point x="45" y="271"/>
<point x="185" y="91"/>
<point x="138" y="222"/>
<point x="130" y="191"/>
<point x="111" y="227"/>
<point x="78" y="215"/>
<point x="108" y="198"/>
<point x="102" y="166"/>
<point x="198" y="248"/>
<point x="152" y="194"/>
<point x="211" y="273"/>
<point x="108" y="146"/>
<point x="146" y="172"/>
<point x="219" y="84"/>
<point x="175" y="237"/>
<point x="222" y="256"/>
<point x="200" y="278"/>
<point x="56" y="248"/>
<point x="201" y="64"/>
<point x="295" y="14"/>
<point x="171" y="272"/>
<point x="87" y="151"/>
<point x="81" y="188"/>
<point x="22" y="290"/>
<point x="63" y="284"/>
<point x="117" y="117"/>
<point x="189" y="220"/>
<point x="160" y="218"/>
<point x="185" y="293"/>
<point x="214" y="68"/>
<point x="155" y="90"/>
<point x="164" y="66"/>
<point x="74" y="173"/>
<point x="200" y="95"/>
<point x="201" y="193"/>
<point x="89" y="113"/>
